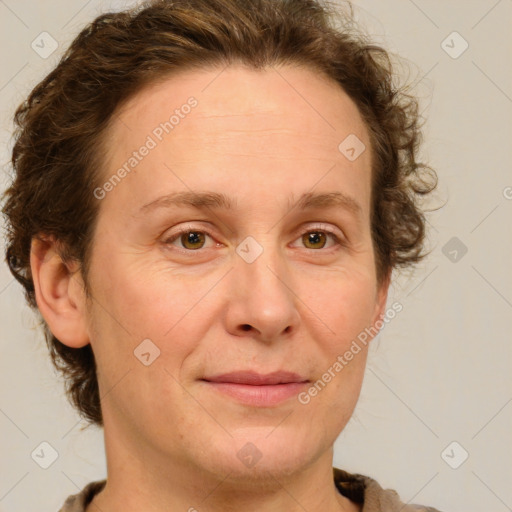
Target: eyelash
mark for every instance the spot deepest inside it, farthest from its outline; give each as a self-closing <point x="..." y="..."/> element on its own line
<point x="315" y="229"/>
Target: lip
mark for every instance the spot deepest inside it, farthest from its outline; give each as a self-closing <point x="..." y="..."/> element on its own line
<point x="257" y="379"/>
<point x="252" y="388"/>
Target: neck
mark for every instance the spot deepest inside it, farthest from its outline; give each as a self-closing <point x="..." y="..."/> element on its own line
<point x="142" y="478"/>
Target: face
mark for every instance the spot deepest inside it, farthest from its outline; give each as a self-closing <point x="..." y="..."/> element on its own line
<point x="186" y="289"/>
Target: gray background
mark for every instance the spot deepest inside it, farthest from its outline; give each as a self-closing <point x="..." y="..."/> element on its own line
<point x="439" y="373"/>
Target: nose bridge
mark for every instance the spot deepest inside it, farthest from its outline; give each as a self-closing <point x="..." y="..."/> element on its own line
<point x="261" y="279"/>
<point x="260" y="261"/>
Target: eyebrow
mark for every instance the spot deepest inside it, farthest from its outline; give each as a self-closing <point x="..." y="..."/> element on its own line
<point x="218" y="201"/>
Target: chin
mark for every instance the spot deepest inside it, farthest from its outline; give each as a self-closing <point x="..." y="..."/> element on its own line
<point x="261" y="457"/>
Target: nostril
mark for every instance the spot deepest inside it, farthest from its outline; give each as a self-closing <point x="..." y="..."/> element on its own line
<point x="246" y="327"/>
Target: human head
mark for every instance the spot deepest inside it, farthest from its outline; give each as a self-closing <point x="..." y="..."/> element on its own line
<point x="59" y="152"/>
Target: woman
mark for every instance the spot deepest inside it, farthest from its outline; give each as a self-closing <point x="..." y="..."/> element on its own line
<point x="210" y="197"/>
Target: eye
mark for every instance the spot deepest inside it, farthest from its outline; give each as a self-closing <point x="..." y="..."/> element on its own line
<point x="190" y="239"/>
<point x="318" y="238"/>
<point x="194" y="239"/>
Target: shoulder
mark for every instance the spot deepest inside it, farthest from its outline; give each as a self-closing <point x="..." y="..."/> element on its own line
<point x="78" y="502"/>
<point x="359" y="488"/>
<point x="367" y="491"/>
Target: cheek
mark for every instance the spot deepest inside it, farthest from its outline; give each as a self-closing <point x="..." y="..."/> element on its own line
<point x="141" y="300"/>
<point x="345" y="308"/>
<point x="132" y="305"/>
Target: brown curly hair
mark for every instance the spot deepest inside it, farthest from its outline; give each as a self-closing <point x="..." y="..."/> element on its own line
<point x="60" y="127"/>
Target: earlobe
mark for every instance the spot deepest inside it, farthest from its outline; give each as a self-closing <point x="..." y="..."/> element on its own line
<point x="59" y="293"/>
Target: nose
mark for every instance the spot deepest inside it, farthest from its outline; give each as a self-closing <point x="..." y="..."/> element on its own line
<point x="262" y="301"/>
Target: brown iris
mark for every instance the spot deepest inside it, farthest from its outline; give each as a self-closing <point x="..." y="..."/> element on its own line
<point x="314" y="237"/>
<point x="192" y="237"/>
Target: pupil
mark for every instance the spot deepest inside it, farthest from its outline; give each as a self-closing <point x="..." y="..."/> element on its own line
<point x="314" y="237"/>
<point x="193" y="237"/>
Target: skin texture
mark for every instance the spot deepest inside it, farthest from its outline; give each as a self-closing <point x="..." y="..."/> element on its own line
<point x="263" y="138"/>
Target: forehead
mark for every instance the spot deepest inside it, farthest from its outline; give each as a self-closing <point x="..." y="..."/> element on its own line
<point x="292" y="98"/>
<point x="271" y="124"/>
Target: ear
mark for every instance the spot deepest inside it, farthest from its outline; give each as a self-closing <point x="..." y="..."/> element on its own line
<point x="59" y="292"/>
<point x="381" y="299"/>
